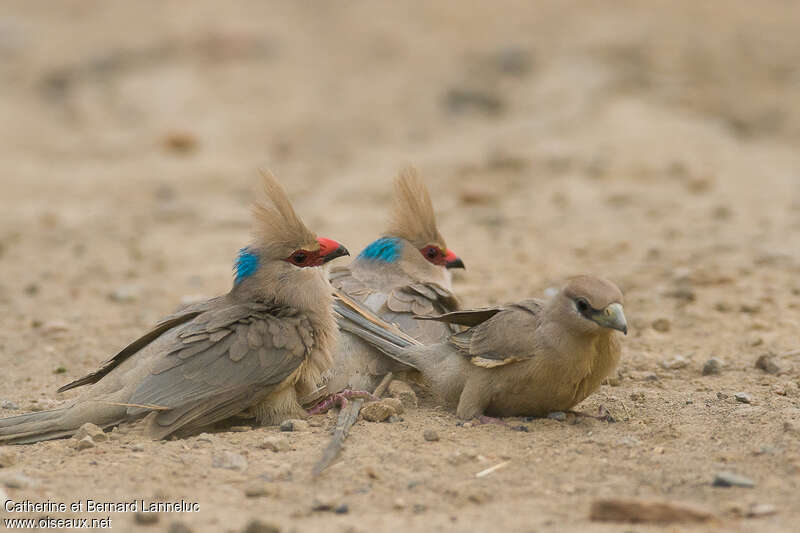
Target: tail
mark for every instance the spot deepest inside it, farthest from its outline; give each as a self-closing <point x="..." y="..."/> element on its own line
<point x="385" y="337"/>
<point x="55" y="423"/>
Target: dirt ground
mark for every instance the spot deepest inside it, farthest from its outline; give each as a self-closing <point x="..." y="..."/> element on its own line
<point x="654" y="143"/>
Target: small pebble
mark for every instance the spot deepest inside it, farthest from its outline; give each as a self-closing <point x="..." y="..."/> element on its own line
<point x="146" y="519"/>
<point x="377" y="411"/>
<point x="261" y="489"/>
<point x="729" y="479"/>
<point x="137" y="448"/>
<point x="521" y="428"/>
<point x="394" y="419"/>
<point x="675" y="363"/>
<point x="341" y="509"/>
<point x="430" y="435"/>
<point x="399" y="504"/>
<point x="394" y="403"/>
<point x="295" y="424"/>
<point x="257" y="526"/>
<point x="403" y="392"/>
<point x="93" y="432"/>
<point x="637" y="396"/>
<point x="125" y="294"/>
<point x="17" y="480"/>
<point x="561" y="416"/>
<point x="179" y="527"/>
<point x="721" y="396"/>
<point x="275" y="444"/>
<point x="767" y="364"/>
<point x="229" y="461"/>
<point x="712" y="367"/>
<point x="240" y="429"/>
<point x="742" y="397"/>
<point x="662" y="325"/>
<point x="758" y="510"/>
<point x="8" y="457"/>
<point x="85" y="443"/>
<point x="8" y="404"/>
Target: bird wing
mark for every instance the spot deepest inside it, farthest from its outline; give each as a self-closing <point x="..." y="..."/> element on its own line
<point x="503" y="337"/>
<point x="167" y="323"/>
<point x="223" y="360"/>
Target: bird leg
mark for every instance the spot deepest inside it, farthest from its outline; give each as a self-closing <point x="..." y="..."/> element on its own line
<point x="340" y="399"/>
<point x="347" y="417"/>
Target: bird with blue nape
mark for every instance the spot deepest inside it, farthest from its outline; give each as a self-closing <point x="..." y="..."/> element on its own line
<point x="257" y="348"/>
<point x="402" y="275"/>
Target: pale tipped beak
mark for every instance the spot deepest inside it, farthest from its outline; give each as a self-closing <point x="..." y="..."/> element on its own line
<point x="451" y="260"/>
<point x="612" y="317"/>
<point x="330" y="249"/>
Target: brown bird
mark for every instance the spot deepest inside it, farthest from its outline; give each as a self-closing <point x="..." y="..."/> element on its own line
<point x="529" y="358"/>
<point x="256" y="348"/>
<point x="402" y="275"/>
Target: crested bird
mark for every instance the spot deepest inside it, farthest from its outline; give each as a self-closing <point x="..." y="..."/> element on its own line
<point x="528" y="358"/>
<point x="256" y="348"/>
<point x="401" y="275"/>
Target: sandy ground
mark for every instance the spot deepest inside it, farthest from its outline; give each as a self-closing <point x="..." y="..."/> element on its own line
<point x="657" y="146"/>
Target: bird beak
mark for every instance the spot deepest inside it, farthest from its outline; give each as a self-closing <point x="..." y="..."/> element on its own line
<point x="330" y="249"/>
<point x="612" y="317"/>
<point x="451" y="260"/>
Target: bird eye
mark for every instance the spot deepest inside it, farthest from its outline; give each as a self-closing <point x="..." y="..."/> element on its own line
<point x="432" y="252"/>
<point x="582" y="305"/>
<point x="298" y="258"/>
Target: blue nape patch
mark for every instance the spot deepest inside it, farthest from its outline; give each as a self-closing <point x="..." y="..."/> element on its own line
<point x="386" y="249"/>
<point x="246" y="264"/>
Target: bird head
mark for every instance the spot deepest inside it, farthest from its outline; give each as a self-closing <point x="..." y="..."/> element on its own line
<point x="588" y="304"/>
<point x="282" y="264"/>
<point x="412" y="239"/>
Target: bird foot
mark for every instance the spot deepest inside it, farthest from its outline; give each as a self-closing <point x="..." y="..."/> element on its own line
<point x="339" y="399"/>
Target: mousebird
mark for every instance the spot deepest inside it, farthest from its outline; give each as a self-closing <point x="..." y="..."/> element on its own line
<point x="528" y="358"/>
<point x="257" y="348"/>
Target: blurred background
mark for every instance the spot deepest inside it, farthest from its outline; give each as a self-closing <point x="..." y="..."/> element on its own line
<point x="641" y="141"/>
<point x="655" y="143"/>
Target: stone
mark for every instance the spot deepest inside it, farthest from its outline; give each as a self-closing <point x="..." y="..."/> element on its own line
<point x="729" y="479"/>
<point x="766" y="363"/>
<point x="430" y="435"/>
<point x="259" y="490"/>
<point x="403" y="392"/>
<point x="377" y="411"/>
<point x="662" y="325"/>
<point x="561" y="416"/>
<point x="712" y="367"/>
<point x="8" y="404"/>
<point x="229" y="461"/>
<point x="757" y="510"/>
<point x="145" y="519"/>
<point x="125" y="294"/>
<point x="259" y="526"/>
<point x="8" y="457"/>
<point x="85" y="443"/>
<point x="95" y="433"/>
<point x="647" y="512"/>
<point x="275" y="444"/>
<point x="742" y="397"/>
<point x="17" y="480"/>
<point x="179" y="527"/>
<point x="295" y="424"/>
<point x="674" y="363"/>
<point x="394" y="403"/>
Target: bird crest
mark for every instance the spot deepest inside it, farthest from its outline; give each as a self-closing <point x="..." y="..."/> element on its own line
<point x="277" y="226"/>
<point x="412" y="212"/>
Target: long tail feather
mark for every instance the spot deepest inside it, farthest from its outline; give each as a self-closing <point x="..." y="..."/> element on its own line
<point x="386" y="337"/>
